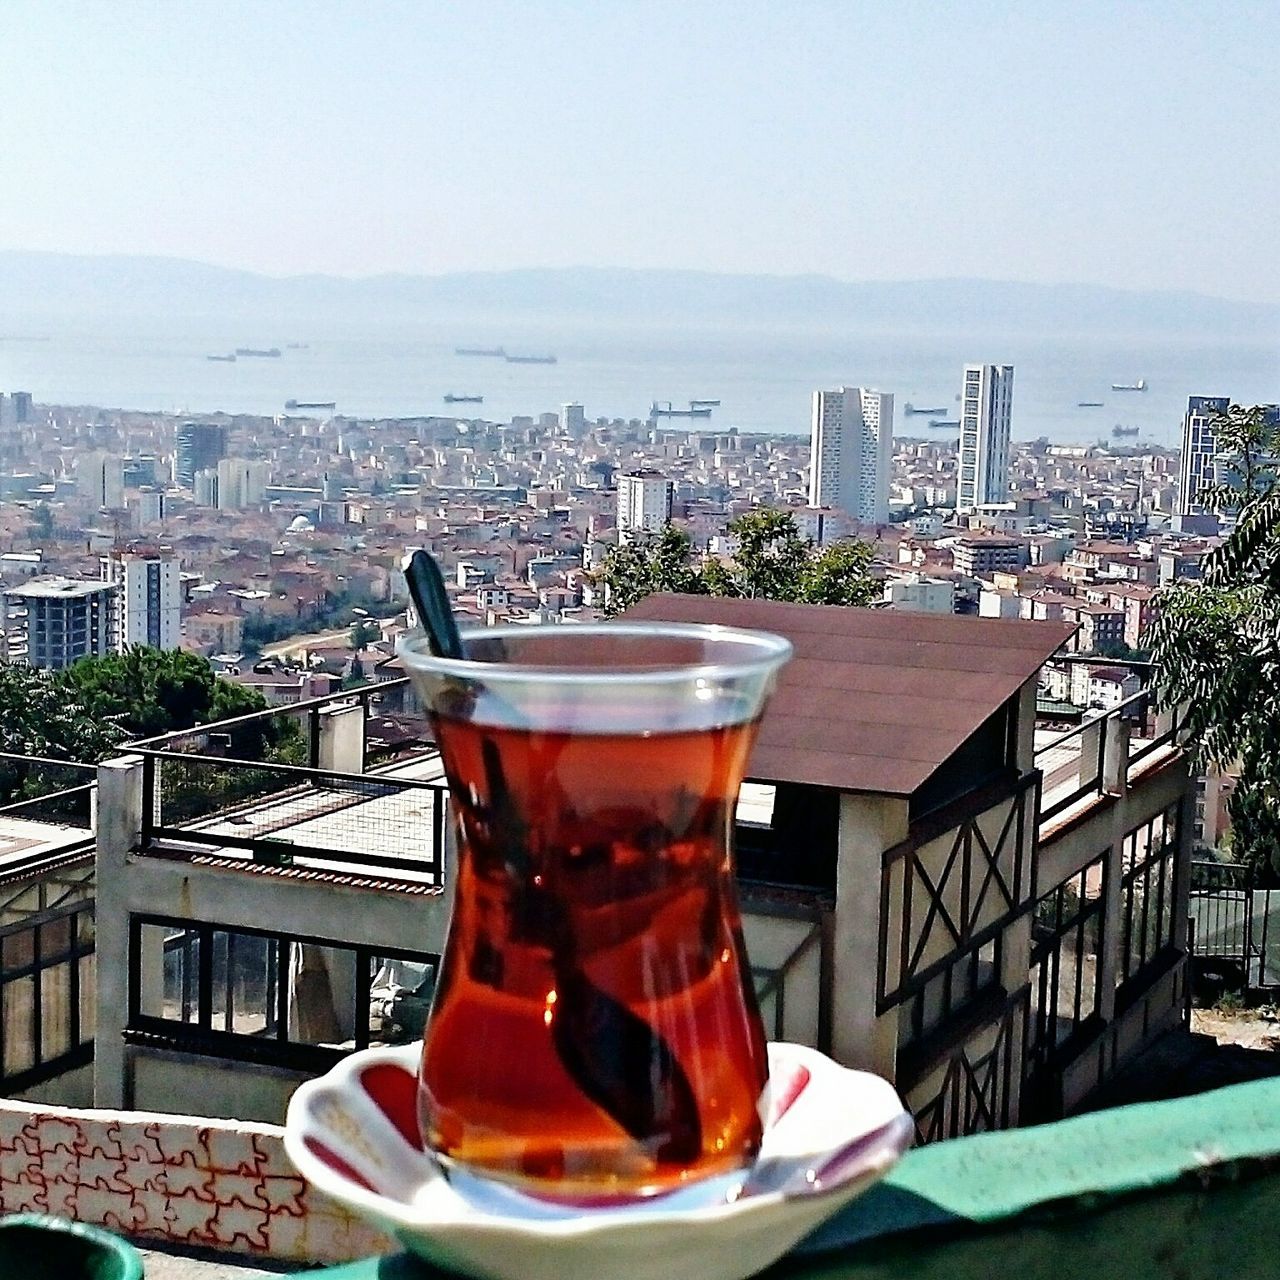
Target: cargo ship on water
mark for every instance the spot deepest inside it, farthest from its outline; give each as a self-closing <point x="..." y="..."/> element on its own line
<point x="259" y="353"/>
<point x="227" y="359"/>
<point x="530" y="359"/>
<point x="495" y="353"/>
<point x="310" y="404"/>
<point x="452" y="399"/>
<point x="664" y="409"/>
<point x="909" y="409"/>
<point x="1119" y="432"/>
<point x="1140" y="385"/>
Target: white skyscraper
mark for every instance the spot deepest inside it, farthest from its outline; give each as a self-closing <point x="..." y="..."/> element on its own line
<point x="573" y="420"/>
<point x="1199" y="449"/>
<point x="644" y="502"/>
<point x="100" y="477"/>
<point x="241" y="483"/>
<point x="851" y="452"/>
<point x="986" y="404"/>
<point x="149" y="606"/>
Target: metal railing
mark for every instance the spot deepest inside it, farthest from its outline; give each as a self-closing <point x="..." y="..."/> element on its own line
<point x="292" y="733"/>
<point x="53" y="792"/>
<point x="281" y="813"/>
<point x="1078" y="759"/>
<point x="1231" y="922"/>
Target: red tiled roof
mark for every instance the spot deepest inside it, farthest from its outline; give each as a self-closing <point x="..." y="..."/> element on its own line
<point x="874" y="699"/>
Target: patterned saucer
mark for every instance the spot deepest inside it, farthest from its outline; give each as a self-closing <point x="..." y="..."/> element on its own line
<point x="830" y="1135"/>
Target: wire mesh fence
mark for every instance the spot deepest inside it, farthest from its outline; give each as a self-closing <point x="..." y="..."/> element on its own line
<point x="281" y="813"/>
<point x="53" y="792"/>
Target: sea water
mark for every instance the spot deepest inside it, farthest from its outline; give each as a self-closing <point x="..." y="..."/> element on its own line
<point x="763" y="376"/>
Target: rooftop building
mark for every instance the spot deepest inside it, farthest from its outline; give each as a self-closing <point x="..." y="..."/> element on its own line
<point x="51" y="622"/>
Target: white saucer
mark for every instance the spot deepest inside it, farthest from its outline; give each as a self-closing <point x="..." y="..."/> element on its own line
<point x="831" y="1134"/>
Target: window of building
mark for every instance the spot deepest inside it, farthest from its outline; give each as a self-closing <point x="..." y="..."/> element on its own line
<point x="1149" y="859"/>
<point x="260" y="995"/>
<point x="46" y="996"/>
<point x="1066" y="941"/>
<point x="951" y="992"/>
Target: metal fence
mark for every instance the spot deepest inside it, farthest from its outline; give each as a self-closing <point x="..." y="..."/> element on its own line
<point x="281" y="813"/>
<point x="291" y="734"/>
<point x="47" y="994"/>
<point x="1235" y="924"/>
<point x="1074" y="764"/>
<point x="55" y="792"/>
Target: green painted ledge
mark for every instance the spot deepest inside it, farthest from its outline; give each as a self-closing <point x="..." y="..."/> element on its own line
<point x="1181" y="1190"/>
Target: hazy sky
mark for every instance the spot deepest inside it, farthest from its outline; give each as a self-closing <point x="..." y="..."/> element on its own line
<point x="1134" y="144"/>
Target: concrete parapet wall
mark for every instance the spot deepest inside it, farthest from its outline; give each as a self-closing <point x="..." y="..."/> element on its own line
<point x="218" y="1184"/>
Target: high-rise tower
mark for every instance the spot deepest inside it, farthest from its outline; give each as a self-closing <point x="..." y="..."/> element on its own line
<point x="986" y="407"/>
<point x="851" y="451"/>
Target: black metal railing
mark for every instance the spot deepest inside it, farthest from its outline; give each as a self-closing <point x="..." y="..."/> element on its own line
<point x="1231" y="908"/>
<point x="1077" y="759"/>
<point x="1148" y="892"/>
<point x="1068" y="939"/>
<point x="54" y="792"/>
<point x="288" y="734"/>
<point x="258" y="995"/>
<point x="279" y="813"/>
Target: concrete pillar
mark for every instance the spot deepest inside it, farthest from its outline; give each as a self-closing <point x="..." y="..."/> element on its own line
<point x="1115" y="756"/>
<point x="118" y="834"/>
<point x="869" y="825"/>
<point x="1090" y="746"/>
<point x="1026" y="739"/>
<point x="341" y="739"/>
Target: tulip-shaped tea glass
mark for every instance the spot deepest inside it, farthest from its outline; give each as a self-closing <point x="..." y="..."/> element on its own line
<point x="595" y="1029"/>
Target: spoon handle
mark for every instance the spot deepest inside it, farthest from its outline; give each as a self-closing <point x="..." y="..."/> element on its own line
<point x="426" y="589"/>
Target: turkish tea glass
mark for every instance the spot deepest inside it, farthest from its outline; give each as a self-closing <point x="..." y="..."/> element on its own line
<point x="595" y="1030"/>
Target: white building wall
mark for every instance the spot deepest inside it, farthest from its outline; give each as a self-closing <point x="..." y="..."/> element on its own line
<point x="986" y="408"/>
<point x="149" y="610"/>
<point x="573" y="419"/>
<point x="100" y="478"/>
<point x="644" y="502"/>
<point x="920" y="595"/>
<point x="851" y="452"/>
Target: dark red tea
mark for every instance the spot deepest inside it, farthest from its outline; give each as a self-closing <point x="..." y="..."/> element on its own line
<point x="595" y="1025"/>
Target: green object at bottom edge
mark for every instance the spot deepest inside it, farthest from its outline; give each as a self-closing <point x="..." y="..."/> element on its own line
<point x="34" y="1246"/>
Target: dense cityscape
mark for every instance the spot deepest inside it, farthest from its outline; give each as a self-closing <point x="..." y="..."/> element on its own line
<point x="639" y="639"/>
<point x="257" y="533"/>
<point x="273" y="547"/>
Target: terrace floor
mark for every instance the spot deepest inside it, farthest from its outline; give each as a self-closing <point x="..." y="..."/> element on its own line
<point x="21" y="840"/>
<point x="396" y="824"/>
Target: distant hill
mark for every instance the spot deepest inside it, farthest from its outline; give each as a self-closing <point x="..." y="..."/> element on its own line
<point x="53" y="283"/>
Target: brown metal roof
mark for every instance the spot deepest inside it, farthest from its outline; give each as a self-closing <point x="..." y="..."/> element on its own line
<point x="874" y="699"/>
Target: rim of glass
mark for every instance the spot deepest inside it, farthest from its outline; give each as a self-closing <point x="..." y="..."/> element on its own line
<point x="771" y="651"/>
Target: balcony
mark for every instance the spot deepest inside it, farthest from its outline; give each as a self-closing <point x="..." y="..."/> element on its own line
<point x="1148" y="1192"/>
<point x="995" y="920"/>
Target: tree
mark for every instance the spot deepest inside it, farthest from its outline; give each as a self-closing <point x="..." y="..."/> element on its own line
<point x="1217" y="641"/>
<point x="841" y="574"/>
<point x="145" y="692"/>
<point x="39" y="716"/>
<point x="649" y="563"/>
<point x="364" y="632"/>
<point x="771" y="562"/>
<point x="42" y="521"/>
